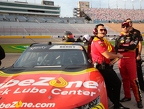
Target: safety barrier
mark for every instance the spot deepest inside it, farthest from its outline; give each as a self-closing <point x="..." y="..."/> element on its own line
<point x="27" y="37"/>
<point x="36" y="36"/>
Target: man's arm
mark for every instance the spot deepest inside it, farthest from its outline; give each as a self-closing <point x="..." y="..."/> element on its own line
<point x="139" y="50"/>
<point x="140" y="47"/>
<point x="117" y="44"/>
<point x="110" y="55"/>
<point x="2" y="53"/>
<point x="133" y="44"/>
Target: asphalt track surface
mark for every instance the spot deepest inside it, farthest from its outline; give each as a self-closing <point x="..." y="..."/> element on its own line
<point x="12" y="57"/>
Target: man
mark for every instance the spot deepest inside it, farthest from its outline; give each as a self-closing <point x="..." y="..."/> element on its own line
<point x="68" y="37"/>
<point x="126" y="45"/>
<point x="87" y="39"/>
<point x="2" y="54"/>
<point x="138" y="53"/>
<point x="102" y="52"/>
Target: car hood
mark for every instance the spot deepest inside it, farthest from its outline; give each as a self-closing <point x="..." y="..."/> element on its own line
<point x="43" y="89"/>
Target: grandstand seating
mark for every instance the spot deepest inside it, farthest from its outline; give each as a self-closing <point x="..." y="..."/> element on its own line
<point x="117" y="26"/>
<point x="115" y="15"/>
<point x="40" y="19"/>
<point x="36" y="28"/>
<point x="32" y="28"/>
<point x="11" y="18"/>
<point x="30" y="19"/>
<point x="21" y="18"/>
<point x="38" y="25"/>
<point x="1" y="17"/>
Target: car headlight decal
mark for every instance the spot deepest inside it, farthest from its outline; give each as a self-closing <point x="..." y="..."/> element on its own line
<point x="95" y="104"/>
<point x="99" y="106"/>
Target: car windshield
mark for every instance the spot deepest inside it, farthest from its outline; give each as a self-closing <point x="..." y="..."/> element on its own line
<point x="51" y="58"/>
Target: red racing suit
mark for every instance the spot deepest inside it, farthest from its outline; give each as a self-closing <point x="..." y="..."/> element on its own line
<point x="126" y="45"/>
<point x="112" y="81"/>
<point x="99" y="47"/>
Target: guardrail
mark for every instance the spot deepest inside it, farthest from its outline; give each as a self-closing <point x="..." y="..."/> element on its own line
<point x="27" y="37"/>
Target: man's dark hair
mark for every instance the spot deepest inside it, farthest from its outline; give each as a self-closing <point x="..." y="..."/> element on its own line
<point x="99" y="25"/>
<point x="95" y="31"/>
<point x="128" y="19"/>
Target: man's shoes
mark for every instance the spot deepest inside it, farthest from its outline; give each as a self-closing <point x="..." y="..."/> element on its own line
<point x="125" y="99"/>
<point x="121" y="107"/>
<point x="142" y="90"/>
<point x="139" y="104"/>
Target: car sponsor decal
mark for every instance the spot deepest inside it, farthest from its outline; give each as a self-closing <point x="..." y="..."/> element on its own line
<point x="38" y="47"/>
<point x="47" y="81"/>
<point x="20" y="104"/>
<point x="48" y="88"/>
<point x="63" y="83"/>
<point x="41" y="83"/>
<point x="66" y="47"/>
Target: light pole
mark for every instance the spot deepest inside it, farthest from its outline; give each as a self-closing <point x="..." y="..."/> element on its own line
<point x="125" y="4"/>
<point x="108" y="4"/>
<point x="117" y="4"/>
<point x="100" y="3"/>
<point x="132" y="4"/>
<point x="140" y="4"/>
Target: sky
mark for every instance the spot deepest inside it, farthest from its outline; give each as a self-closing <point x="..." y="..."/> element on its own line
<point x="68" y="5"/>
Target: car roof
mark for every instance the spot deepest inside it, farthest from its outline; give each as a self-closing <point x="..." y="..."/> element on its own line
<point x="58" y="43"/>
<point x="72" y="45"/>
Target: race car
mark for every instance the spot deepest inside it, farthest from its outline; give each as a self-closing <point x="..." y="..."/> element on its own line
<point x="52" y="76"/>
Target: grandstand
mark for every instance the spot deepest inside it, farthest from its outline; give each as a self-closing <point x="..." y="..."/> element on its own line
<point x="57" y="27"/>
<point x="117" y="27"/>
<point x="115" y="15"/>
<point x="45" y="20"/>
<point x="47" y="8"/>
<point x="30" y="28"/>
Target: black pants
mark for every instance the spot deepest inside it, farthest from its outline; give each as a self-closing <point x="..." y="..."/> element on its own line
<point x="113" y="85"/>
<point x="140" y="74"/>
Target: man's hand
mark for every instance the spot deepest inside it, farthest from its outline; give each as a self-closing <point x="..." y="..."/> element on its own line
<point x="132" y="42"/>
<point x="120" y="55"/>
<point x="138" y="57"/>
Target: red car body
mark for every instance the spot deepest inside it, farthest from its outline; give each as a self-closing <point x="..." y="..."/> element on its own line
<point x="52" y="89"/>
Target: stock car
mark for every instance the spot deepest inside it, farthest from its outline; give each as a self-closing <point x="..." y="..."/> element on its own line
<point x="52" y="76"/>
